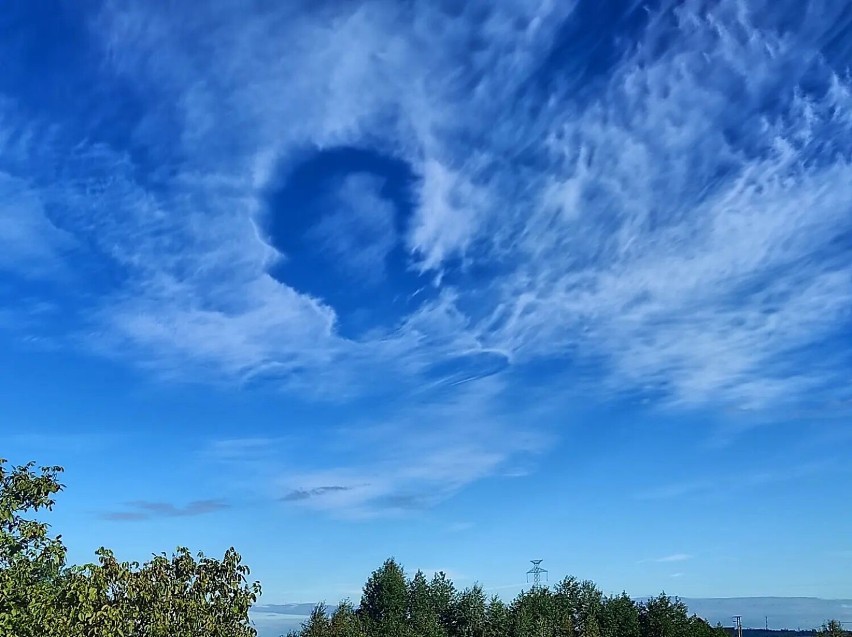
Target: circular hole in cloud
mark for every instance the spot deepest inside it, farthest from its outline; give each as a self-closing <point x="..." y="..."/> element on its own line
<point x="339" y="219"/>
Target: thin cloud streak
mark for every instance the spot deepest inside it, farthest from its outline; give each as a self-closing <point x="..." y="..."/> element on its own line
<point x="667" y="559"/>
<point x="304" y="494"/>
<point x="721" y="486"/>
<point x="146" y="510"/>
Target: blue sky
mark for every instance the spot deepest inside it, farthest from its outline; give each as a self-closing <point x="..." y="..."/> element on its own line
<point x="467" y="286"/>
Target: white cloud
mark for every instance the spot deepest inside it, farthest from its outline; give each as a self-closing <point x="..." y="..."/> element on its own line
<point x="358" y="233"/>
<point x="672" y="230"/>
<point x="254" y="335"/>
<point x="674" y="557"/>
<point x="31" y="245"/>
<point x="448" y="210"/>
<point x="716" y="486"/>
<point x="686" y="253"/>
<point x="460" y="527"/>
<point x="412" y="458"/>
<point x="667" y="559"/>
<point x="677" y="225"/>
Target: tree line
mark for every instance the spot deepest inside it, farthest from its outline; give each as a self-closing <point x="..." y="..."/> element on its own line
<point x="393" y="605"/>
<point x="192" y="595"/>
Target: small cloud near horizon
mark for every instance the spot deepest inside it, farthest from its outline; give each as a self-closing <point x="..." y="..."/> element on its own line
<point x="146" y="510"/>
<point x="666" y="559"/>
<point x="297" y="495"/>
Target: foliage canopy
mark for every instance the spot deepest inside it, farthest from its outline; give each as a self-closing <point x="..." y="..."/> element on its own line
<point x="169" y="596"/>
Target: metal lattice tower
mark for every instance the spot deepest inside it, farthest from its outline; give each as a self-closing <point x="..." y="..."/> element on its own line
<point x="536" y="571"/>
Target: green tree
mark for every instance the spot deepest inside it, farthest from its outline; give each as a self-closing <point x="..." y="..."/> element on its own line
<point x="567" y="605"/>
<point x="30" y="560"/>
<point x="535" y="613"/>
<point x="470" y="613"/>
<point x="169" y="596"/>
<point x="177" y="596"/>
<point x="423" y="619"/>
<point x="589" y="610"/>
<point x="663" y="616"/>
<point x="620" y="617"/>
<point x="443" y="594"/>
<point x="318" y="623"/>
<point x="384" y="601"/>
<point x="832" y="628"/>
<point x="498" y="619"/>
<point x="345" y="621"/>
<point x="698" y="627"/>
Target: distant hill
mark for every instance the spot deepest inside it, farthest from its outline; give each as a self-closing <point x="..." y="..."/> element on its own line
<point x="296" y="610"/>
<point x="272" y="620"/>
<point x="760" y="632"/>
<point x="796" y="613"/>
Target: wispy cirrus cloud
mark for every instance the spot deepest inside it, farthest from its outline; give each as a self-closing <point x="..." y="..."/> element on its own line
<point x="342" y="55"/>
<point x="672" y="222"/>
<point x="410" y="459"/>
<point x="746" y="480"/>
<point x="675" y="161"/>
<point x="692" y="243"/>
<point x="31" y="245"/>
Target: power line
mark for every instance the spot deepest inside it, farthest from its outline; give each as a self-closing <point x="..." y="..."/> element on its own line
<point x="536" y="571"/>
